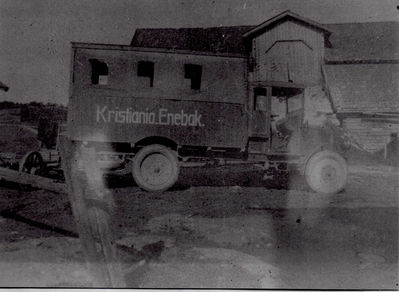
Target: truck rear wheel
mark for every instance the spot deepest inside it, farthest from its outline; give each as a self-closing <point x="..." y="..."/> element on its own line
<point x="326" y="172"/>
<point x="155" y="168"/>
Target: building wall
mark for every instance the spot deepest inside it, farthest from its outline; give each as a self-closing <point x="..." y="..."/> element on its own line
<point x="364" y="89"/>
<point x="288" y="51"/>
<point x="371" y="135"/>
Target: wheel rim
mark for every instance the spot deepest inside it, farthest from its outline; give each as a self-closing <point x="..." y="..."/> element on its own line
<point x="327" y="176"/>
<point x="156" y="169"/>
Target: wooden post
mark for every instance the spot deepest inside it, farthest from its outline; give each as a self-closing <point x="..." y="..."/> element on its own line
<point x="33" y="180"/>
<point x="91" y="206"/>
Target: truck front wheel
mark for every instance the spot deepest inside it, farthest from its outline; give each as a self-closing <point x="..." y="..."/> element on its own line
<point x="155" y="168"/>
<point x="326" y="172"/>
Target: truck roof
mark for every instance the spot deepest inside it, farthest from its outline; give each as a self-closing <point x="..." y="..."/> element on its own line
<point x="98" y="46"/>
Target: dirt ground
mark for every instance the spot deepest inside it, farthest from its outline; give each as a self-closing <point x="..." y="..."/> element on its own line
<point x="218" y="228"/>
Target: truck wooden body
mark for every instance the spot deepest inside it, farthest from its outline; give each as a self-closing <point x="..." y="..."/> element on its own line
<point x="168" y="108"/>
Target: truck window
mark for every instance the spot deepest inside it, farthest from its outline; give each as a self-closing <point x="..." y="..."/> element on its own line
<point x="146" y="69"/>
<point x="99" y="72"/>
<point x="194" y="73"/>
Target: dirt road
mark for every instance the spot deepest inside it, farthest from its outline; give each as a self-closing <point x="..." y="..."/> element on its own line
<point x="217" y="228"/>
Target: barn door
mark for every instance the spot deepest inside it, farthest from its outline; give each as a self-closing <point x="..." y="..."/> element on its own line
<point x="290" y="61"/>
<point x="261" y="112"/>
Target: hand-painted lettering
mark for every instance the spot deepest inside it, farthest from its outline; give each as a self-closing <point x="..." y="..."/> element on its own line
<point x="162" y="117"/>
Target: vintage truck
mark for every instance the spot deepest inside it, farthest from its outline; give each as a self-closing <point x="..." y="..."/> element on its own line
<point x="165" y="109"/>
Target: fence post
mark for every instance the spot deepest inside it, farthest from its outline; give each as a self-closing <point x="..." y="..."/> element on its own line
<point x="91" y="207"/>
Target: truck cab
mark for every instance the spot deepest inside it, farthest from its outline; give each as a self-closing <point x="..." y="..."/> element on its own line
<point x="280" y="131"/>
<point x="277" y="117"/>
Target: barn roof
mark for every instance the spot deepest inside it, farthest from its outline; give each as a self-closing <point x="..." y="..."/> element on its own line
<point x="350" y="41"/>
<point x="282" y="17"/>
<point x="373" y="41"/>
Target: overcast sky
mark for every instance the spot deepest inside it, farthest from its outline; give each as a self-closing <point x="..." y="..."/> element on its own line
<point x="35" y="35"/>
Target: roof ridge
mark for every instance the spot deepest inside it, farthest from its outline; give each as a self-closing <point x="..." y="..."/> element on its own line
<point x="279" y="17"/>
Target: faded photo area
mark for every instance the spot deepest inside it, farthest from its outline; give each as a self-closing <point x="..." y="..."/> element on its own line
<point x="259" y="151"/>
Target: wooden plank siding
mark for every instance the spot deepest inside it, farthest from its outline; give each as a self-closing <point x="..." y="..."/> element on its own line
<point x="289" y="45"/>
<point x="373" y="136"/>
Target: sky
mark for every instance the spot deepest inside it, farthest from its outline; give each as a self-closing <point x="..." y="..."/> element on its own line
<point x="35" y="35"/>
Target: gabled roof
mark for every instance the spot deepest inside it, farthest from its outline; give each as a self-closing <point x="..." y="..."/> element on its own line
<point x="286" y="15"/>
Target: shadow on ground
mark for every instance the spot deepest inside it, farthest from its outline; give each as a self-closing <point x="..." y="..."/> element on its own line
<point x="218" y="177"/>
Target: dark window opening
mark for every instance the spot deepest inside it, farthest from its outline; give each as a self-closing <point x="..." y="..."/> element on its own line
<point x="99" y="72"/>
<point x="146" y="69"/>
<point x="194" y="73"/>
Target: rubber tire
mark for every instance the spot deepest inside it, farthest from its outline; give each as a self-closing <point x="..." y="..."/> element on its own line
<point x="326" y="172"/>
<point x="139" y="172"/>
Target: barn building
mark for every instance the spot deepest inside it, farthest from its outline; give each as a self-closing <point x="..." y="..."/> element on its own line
<point x="349" y="71"/>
